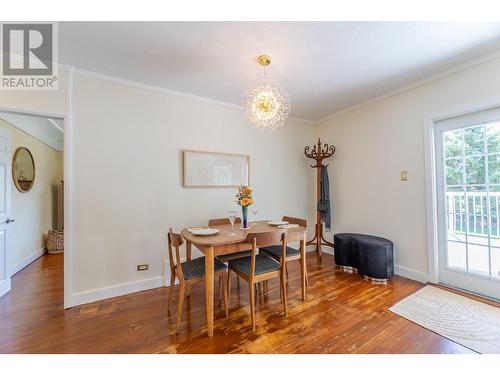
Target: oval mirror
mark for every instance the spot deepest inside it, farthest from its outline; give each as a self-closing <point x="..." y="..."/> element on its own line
<point x="23" y="169"/>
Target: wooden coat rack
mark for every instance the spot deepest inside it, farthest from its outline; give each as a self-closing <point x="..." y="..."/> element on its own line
<point x="319" y="153"/>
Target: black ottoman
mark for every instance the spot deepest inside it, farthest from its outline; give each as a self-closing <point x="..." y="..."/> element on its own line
<point x="371" y="256"/>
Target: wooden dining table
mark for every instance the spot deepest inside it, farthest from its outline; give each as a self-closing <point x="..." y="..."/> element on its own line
<point x="225" y="242"/>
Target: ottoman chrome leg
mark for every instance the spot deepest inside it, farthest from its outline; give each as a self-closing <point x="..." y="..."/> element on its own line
<point x="375" y="280"/>
<point x="348" y="269"/>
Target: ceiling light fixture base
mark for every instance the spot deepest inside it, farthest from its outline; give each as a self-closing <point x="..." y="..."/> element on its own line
<point x="264" y="60"/>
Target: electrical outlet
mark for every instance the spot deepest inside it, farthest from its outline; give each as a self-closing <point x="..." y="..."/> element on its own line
<point x="404" y="175"/>
<point x="142" y="267"/>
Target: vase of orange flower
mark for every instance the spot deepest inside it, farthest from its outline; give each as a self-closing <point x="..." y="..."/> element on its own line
<point x="244" y="199"/>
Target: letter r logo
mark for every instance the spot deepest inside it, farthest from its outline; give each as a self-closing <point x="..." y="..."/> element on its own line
<point x="27" y="49"/>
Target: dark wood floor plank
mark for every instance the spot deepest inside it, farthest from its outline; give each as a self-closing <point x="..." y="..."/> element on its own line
<point x="343" y="314"/>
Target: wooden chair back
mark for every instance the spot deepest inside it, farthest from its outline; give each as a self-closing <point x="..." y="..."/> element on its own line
<point x="223" y="221"/>
<point x="175" y="241"/>
<point x="266" y="239"/>
<point x="296" y="220"/>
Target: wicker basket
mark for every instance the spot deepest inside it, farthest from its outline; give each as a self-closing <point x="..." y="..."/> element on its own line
<point x="55" y="241"/>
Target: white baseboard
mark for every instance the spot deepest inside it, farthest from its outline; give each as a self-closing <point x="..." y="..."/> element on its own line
<point x="121" y="289"/>
<point x="166" y="281"/>
<point x="410" y="273"/>
<point x="159" y="281"/>
<point x="324" y="249"/>
<point x="26" y="261"/>
<point x="115" y="291"/>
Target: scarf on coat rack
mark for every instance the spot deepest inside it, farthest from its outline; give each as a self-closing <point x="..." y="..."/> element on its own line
<point x="324" y="200"/>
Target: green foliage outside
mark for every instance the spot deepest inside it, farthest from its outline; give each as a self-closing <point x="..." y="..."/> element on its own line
<point x="465" y="159"/>
<point x="469" y="145"/>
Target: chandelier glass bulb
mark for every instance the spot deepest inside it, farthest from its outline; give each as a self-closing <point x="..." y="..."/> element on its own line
<point x="267" y="105"/>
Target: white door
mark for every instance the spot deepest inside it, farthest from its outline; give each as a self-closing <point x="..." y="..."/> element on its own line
<point x="468" y="191"/>
<point x="5" y="190"/>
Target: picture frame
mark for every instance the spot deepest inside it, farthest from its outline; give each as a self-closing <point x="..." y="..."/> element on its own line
<point x="215" y="169"/>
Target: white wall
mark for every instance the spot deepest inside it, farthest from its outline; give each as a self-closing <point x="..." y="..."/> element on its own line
<point x="375" y="142"/>
<point x="128" y="177"/>
<point x="34" y="211"/>
<point x="120" y="201"/>
<point x="123" y="199"/>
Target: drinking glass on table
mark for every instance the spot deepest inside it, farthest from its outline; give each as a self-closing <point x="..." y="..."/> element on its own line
<point x="255" y="209"/>
<point x="232" y="215"/>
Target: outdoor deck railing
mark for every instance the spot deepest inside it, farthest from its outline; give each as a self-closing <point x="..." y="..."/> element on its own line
<point x="475" y="212"/>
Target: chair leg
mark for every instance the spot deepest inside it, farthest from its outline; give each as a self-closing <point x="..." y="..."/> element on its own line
<point x="283" y="287"/>
<point x="180" y="304"/>
<point x="307" y="279"/>
<point x="228" y="290"/>
<point x="225" y="286"/>
<point x="170" y="291"/>
<point x="252" y="305"/>
<point x="286" y="270"/>
<point x="220" y="287"/>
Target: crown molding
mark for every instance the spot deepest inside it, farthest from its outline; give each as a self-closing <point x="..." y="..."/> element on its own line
<point x="141" y="85"/>
<point x="414" y="85"/>
<point x="411" y="86"/>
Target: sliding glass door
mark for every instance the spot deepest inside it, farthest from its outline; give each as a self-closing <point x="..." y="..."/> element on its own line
<point x="468" y="179"/>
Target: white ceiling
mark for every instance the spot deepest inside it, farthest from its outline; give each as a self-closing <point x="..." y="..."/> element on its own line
<point x="47" y="130"/>
<point x="325" y="66"/>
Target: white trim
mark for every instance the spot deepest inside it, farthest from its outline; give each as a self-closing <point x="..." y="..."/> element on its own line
<point x="410" y="273"/>
<point x="164" y="280"/>
<point x="166" y="277"/>
<point x="69" y="123"/>
<point x="123" y="289"/>
<point x="432" y="78"/>
<point x="431" y="201"/>
<point x="56" y="125"/>
<point x="31" y="113"/>
<point x="52" y="145"/>
<point x="430" y="175"/>
<point x="326" y="250"/>
<point x="27" y="261"/>
<point x="115" y="290"/>
<point x="414" y="85"/>
<point x="145" y="86"/>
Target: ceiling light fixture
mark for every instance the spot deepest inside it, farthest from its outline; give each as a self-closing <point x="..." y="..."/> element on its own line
<point x="267" y="105"/>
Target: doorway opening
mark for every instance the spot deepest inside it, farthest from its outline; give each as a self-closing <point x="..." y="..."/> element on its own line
<point x="31" y="191"/>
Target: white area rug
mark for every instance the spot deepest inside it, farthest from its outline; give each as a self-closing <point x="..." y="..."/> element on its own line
<point x="470" y="323"/>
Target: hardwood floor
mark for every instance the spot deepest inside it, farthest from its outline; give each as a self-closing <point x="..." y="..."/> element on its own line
<point x="343" y="314"/>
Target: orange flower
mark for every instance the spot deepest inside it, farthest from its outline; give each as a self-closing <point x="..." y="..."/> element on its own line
<point x="246" y="202"/>
<point x="248" y="190"/>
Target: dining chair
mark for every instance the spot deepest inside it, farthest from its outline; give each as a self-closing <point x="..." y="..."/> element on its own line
<point x="227" y="257"/>
<point x="189" y="272"/>
<point x="259" y="267"/>
<point x="291" y="253"/>
<point x="223" y="221"/>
